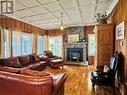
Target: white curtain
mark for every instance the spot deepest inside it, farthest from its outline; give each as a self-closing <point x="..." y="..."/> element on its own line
<point x="5" y="42"/>
<point x="34" y="43"/>
<point x="1" y="42"/>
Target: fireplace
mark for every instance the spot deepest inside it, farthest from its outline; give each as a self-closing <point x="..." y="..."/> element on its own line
<point x="74" y="46"/>
<point x="74" y="54"/>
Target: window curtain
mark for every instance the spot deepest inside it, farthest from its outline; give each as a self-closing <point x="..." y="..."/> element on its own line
<point x="55" y="45"/>
<point x="1" y="42"/>
<point x="5" y="42"/>
<point x="34" y="43"/>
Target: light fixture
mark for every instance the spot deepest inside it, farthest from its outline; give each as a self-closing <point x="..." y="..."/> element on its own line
<point x="62" y="26"/>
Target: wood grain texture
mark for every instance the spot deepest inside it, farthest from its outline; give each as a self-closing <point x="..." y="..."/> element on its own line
<point x="120" y="15"/>
<point x="104" y="35"/>
<point x="55" y="32"/>
<point x="78" y="81"/>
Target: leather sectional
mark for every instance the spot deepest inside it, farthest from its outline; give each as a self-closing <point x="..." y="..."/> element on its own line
<point x="24" y="75"/>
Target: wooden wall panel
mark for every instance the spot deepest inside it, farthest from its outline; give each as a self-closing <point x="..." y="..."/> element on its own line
<point x="19" y="25"/>
<point x="56" y="32"/>
<point x="119" y="16"/>
<point x="104" y="43"/>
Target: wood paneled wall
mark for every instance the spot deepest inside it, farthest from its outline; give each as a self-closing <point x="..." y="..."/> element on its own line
<point x="55" y="32"/>
<point x="19" y="25"/>
<point x="88" y="30"/>
<point x="120" y="16"/>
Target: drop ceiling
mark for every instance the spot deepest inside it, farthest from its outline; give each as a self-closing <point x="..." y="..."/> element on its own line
<point x="46" y="14"/>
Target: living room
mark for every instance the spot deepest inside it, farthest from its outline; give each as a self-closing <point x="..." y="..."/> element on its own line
<point x="63" y="47"/>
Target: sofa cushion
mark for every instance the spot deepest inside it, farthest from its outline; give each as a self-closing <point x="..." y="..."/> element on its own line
<point x="9" y="69"/>
<point x="11" y="62"/>
<point x="33" y="73"/>
<point x="31" y="59"/>
<point x="36" y="58"/>
<point x="24" y="60"/>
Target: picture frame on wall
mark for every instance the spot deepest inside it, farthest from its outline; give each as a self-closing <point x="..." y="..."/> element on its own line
<point x="120" y="31"/>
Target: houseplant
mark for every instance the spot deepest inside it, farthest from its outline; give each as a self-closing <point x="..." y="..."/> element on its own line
<point x="102" y="17"/>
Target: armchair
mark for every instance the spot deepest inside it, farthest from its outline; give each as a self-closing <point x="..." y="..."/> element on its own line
<point x="105" y="75"/>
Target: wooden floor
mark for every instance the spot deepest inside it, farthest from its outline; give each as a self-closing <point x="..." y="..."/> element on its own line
<point x="78" y="81"/>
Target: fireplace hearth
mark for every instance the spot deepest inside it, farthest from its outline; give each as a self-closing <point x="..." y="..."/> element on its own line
<point x="75" y="54"/>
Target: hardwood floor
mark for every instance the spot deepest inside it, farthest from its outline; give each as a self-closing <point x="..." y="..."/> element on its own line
<point x="78" y="81"/>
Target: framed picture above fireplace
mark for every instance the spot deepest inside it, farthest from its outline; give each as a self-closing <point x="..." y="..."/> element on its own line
<point x="73" y="38"/>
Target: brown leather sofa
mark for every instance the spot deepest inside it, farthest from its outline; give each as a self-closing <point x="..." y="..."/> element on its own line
<point x="20" y="76"/>
<point x="32" y="62"/>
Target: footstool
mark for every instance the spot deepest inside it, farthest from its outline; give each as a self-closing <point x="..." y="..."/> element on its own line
<point x="56" y="63"/>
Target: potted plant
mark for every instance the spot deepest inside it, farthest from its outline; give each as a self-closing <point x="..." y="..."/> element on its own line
<point x="101" y="17"/>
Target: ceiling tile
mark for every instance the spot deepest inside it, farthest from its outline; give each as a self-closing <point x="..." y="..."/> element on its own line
<point x="18" y="6"/>
<point x="28" y="3"/>
<point x="47" y="1"/>
<point x="24" y="13"/>
<point x="99" y="1"/>
<point x="76" y="18"/>
<point x="53" y="7"/>
<point x="86" y="2"/>
<point x="39" y="9"/>
<point x="73" y="11"/>
<point x="58" y="14"/>
<point x="68" y="3"/>
<point x="47" y="16"/>
<point x="34" y="18"/>
<point x="103" y="6"/>
<point x="85" y="9"/>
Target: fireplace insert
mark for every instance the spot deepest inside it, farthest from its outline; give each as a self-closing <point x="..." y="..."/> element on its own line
<point x="75" y="54"/>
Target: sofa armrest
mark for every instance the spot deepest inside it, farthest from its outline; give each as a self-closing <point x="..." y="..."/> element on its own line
<point x="25" y="85"/>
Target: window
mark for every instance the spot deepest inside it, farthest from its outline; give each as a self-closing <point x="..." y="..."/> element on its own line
<point x="26" y="43"/>
<point x="6" y="43"/>
<point x="91" y="44"/>
<point x="40" y="45"/>
<point x="55" y="45"/>
<point x="16" y="43"/>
